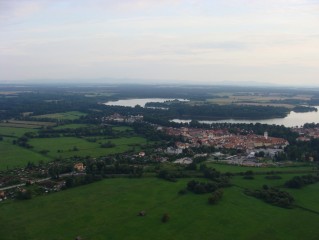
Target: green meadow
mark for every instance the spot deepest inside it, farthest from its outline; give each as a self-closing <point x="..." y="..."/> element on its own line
<point x="237" y="169"/>
<point x="72" y="115"/>
<point x="72" y="126"/>
<point x="15" y="131"/>
<point x="12" y="156"/>
<point x="108" y="210"/>
<point x="71" y="146"/>
<point x="122" y="128"/>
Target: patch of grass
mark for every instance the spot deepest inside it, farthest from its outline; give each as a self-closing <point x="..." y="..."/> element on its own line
<point x="14" y="131"/>
<point x="72" y="126"/>
<point x="26" y="124"/>
<point x="122" y="128"/>
<point x="70" y="146"/>
<point x="14" y="156"/>
<point x="109" y="209"/>
<point x="306" y="197"/>
<point x="72" y="115"/>
<point x="237" y="169"/>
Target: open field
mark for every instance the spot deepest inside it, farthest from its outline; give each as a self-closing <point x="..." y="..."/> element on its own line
<point x="14" y="131"/>
<point x="73" y="115"/>
<point x="12" y="156"/>
<point x="108" y="210"/>
<point x="65" y="146"/>
<point x="26" y="124"/>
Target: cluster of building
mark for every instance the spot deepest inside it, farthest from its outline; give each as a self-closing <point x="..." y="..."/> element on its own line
<point x="221" y="138"/>
<point x="306" y="134"/>
<point x="121" y="119"/>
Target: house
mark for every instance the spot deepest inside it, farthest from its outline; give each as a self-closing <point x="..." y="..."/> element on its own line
<point x="79" y="167"/>
<point x="141" y="154"/>
<point x="171" y="150"/>
<point x="2" y="195"/>
<point x="185" y="160"/>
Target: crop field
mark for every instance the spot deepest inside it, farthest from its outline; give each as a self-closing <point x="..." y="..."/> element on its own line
<point x="70" y="146"/>
<point x="12" y="156"/>
<point x="108" y="210"/>
<point x="14" y="131"/>
<point x="73" y="115"/>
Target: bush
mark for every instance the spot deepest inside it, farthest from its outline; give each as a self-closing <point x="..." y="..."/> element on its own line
<point x="272" y="196"/>
<point x="165" y="218"/>
<point x="216" y="196"/>
<point x="200" y="187"/>
<point x="301" y="181"/>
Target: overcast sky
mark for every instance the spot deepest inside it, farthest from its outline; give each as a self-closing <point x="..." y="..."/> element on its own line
<point x="269" y="41"/>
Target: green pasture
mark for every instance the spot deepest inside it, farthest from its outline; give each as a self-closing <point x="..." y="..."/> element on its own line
<point x="72" y="126"/>
<point x="12" y="156"/>
<point x="307" y="197"/>
<point x="237" y="169"/>
<point x="26" y="124"/>
<point x="15" y="131"/>
<point x="65" y="146"/>
<point x="108" y="210"/>
<point x="72" y="115"/>
<point x="260" y="180"/>
<point x="122" y="129"/>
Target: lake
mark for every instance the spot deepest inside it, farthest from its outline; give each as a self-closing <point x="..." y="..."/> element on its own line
<point x="140" y="101"/>
<point x="293" y="119"/>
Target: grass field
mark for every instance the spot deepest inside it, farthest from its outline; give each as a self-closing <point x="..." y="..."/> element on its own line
<point x="26" y="124"/>
<point x="108" y="210"/>
<point x="65" y="146"/>
<point x="122" y="128"/>
<point x="14" y="131"/>
<point x="12" y="156"/>
<point x="238" y="169"/>
<point x="73" y="115"/>
<point x="72" y="126"/>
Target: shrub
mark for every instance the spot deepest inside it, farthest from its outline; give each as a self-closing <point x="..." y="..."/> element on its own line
<point x="216" y="196"/>
<point x="165" y="218"/>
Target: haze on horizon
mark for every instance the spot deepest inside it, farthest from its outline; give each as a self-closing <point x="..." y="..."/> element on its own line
<point x="193" y="41"/>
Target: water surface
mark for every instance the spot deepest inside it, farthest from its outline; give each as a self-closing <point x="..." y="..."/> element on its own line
<point x="293" y="119"/>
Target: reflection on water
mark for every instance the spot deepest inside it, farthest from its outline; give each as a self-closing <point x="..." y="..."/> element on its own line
<point x="293" y="119"/>
<point x="140" y="101"/>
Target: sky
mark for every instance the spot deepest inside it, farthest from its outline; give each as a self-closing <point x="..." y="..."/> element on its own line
<point x="153" y="41"/>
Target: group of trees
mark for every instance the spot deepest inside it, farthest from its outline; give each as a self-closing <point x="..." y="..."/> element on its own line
<point x="206" y="187"/>
<point x="272" y="196"/>
<point x="171" y="175"/>
<point x="22" y="142"/>
<point x="216" y="196"/>
<point x="103" y="168"/>
<point x="201" y="187"/>
<point x="301" y="181"/>
<point x="222" y="179"/>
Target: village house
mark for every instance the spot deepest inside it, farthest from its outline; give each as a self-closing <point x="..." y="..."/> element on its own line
<point x="185" y="161"/>
<point x="141" y="154"/>
<point x="79" y="167"/>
